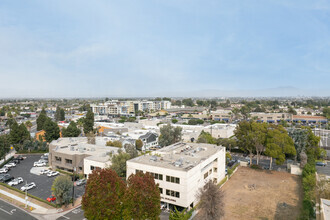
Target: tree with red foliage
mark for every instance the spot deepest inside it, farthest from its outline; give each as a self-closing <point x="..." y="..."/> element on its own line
<point x="103" y="195"/>
<point x="142" y="197"/>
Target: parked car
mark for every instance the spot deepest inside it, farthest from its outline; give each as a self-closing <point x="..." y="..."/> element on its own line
<point x="53" y="173"/>
<point x="12" y="164"/>
<point x="16" y="161"/>
<point x="46" y="154"/>
<point x="20" y="157"/>
<point x="51" y="198"/>
<point x="4" y="170"/>
<point x="45" y="171"/>
<point x="6" y="178"/>
<point x="16" y="181"/>
<point x="322" y="164"/>
<point x="28" y="186"/>
<point x="81" y="182"/>
<point x="8" y="165"/>
<point x="39" y="164"/>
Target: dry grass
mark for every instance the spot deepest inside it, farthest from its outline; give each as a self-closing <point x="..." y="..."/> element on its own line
<point x="254" y="194"/>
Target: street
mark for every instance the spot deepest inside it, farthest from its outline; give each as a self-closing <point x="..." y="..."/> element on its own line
<point x="76" y="214"/>
<point x="9" y="212"/>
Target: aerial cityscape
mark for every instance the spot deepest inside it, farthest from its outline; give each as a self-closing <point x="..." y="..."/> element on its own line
<point x="179" y="110"/>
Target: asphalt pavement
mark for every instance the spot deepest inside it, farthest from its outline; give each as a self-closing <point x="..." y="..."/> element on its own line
<point x="43" y="182"/>
<point x="323" y="170"/>
<point x="76" y="214"/>
<point x="9" y="212"/>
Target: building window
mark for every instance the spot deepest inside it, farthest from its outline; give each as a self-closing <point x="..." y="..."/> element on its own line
<point x="138" y="171"/>
<point x="206" y="175"/>
<point x="172" y="193"/>
<point x="215" y="169"/>
<point x="173" y="179"/>
<point x="210" y="171"/>
<point x="161" y="190"/>
<point x="68" y="161"/>
<point x="59" y="159"/>
<point x="92" y="167"/>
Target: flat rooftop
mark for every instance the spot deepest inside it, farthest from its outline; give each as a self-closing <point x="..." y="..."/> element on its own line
<point x="179" y="156"/>
<point x="80" y="146"/>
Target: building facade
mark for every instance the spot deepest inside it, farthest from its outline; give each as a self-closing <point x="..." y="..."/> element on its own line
<point x="181" y="169"/>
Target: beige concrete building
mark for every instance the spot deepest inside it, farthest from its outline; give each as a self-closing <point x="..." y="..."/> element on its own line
<point x="271" y="117"/>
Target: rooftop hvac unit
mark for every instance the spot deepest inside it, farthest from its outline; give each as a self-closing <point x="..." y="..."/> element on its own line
<point x="71" y="148"/>
<point x="153" y="158"/>
<point x="92" y="149"/>
<point x="178" y="163"/>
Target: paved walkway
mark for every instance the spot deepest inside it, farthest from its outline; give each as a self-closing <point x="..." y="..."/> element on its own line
<point x="38" y="208"/>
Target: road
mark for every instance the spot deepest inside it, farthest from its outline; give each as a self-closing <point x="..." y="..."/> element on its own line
<point x="76" y="214"/>
<point x="9" y="212"/>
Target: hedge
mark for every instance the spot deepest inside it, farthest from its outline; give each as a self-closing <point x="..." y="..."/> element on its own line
<point x="32" y="196"/>
<point x="223" y="181"/>
<point x="231" y="170"/>
<point x="308" y="183"/>
<point x="6" y="161"/>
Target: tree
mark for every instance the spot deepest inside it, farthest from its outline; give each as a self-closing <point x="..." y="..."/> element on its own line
<point x="103" y="195"/>
<point x="71" y="131"/>
<point x="58" y="114"/>
<point x="188" y="102"/>
<point x="227" y="142"/>
<point x="205" y="137"/>
<point x="41" y="120"/>
<point x="174" y="121"/>
<point x="138" y="144"/>
<point x="18" y="133"/>
<point x="211" y="202"/>
<point x="52" y="131"/>
<point x="142" y="197"/>
<point x="244" y="137"/>
<point x="114" y="144"/>
<point x="169" y="135"/>
<point x="278" y="145"/>
<point x="28" y="124"/>
<point x="62" y="189"/>
<point x="4" y="145"/>
<point x="131" y="150"/>
<point x="89" y="122"/>
<point x="119" y="163"/>
<point x="245" y="111"/>
<point x="183" y="215"/>
<point x="292" y="111"/>
<point x="91" y="138"/>
<point x="62" y="114"/>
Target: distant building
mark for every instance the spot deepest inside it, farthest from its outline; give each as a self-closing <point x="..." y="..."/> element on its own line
<point x="271" y="117"/>
<point x="149" y="139"/>
<point x="181" y="169"/>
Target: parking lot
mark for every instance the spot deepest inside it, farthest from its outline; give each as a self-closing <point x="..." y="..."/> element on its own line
<point x="43" y="182"/>
<point x="323" y="170"/>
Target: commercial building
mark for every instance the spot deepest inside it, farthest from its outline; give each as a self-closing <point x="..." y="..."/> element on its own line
<point x="181" y="169"/>
<point x="221" y="115"/>
<point x="271" y="117"/>
<point x="76" y="155"/>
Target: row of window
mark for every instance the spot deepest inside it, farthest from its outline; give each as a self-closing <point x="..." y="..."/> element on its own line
<point x="210" y="172"/>
<point x="173" y="179"/>
<point x="59" y="159"/>
<point x="158" y="176"/>
<point x="170" y="193"/>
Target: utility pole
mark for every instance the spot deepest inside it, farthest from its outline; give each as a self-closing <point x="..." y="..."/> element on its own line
<point x="73" y="179"/>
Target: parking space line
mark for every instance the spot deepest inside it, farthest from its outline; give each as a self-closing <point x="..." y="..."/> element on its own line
<point x="65" y="217"/>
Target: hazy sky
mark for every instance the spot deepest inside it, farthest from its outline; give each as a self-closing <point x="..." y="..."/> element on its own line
<point x="151" y="48"/>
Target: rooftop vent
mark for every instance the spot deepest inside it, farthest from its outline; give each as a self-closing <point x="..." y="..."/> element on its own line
<point x="71" y="148"/>
<point x="178" y="163"/>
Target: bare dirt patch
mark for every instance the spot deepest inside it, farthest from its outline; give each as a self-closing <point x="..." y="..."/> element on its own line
<point x="259" y="194"/>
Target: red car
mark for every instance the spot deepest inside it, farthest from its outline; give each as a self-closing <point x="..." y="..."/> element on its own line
<point x="51" y="198"/>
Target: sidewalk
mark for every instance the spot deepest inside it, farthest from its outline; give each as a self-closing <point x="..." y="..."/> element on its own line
<point x="38" y="209"/>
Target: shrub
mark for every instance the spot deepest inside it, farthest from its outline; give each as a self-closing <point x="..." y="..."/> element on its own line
<point x="223" y="181"/>
<point x="255" y="166"/>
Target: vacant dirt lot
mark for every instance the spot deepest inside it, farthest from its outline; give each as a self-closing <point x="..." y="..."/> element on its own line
<point x="254" y="194"/>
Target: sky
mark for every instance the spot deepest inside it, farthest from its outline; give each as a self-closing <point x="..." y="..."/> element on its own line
<point x="172" y="48"/>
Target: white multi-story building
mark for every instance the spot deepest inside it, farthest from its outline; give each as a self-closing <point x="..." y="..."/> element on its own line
<point x="181" y="169"/>
<point x="129" y="107"/>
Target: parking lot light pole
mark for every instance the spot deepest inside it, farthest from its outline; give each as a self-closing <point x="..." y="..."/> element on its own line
<point x="26" y="196"/>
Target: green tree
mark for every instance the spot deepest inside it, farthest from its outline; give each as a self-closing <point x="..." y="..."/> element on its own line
<point x="245" y="111"/>
<point x="52" y="131"/>
<point x="114" y="144"/>
<point x="57" y="113"/>
<point x="206" y="137"/>
<point x="292" y="111"/>
<point x="18" y="133"/>
<point x="131" y="150"/>
<point x="169" y="135"/>
<point x="244" y="135"/>
<point x="71" y="131"/>
<point x="4" y="145"/>
<point x="279" y="144"/>
<point x="174" y="121"/>
<point x="41" y="120"/>
<point x="119" y="163"/>
<point x="62" y="114"/>
<point x="103" y="195"/>
<point x="62" y="189"/>
<point x="89" y="122"/>
<point x="28" y="124"/>
<point x="142" y="197"/>
<point x="138" y="144"/>
<point x="183" y="215"/>
<point x="188" y="102"/>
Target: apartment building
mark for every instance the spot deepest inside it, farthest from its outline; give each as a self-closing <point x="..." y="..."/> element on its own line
<point x="221" y="115"/>
<point x="129" y="107"/>
<point x="181" y="169"/>
<point x="76" y="155"/>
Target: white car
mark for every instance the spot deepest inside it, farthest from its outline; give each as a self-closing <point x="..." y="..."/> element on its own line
<point x="46" y="154"/>
<point x="28" y="186"/>
<point x="12" y="164"/>
<point x="8" y="165"/>
<point x="16" y="181"/>
<point x="4" y="170"/>
<point x="45" y="171"/>
<point x="50" y="174"/>
<point x="39" y="164"/>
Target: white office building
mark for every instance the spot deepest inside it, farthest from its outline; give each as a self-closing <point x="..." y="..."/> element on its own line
<point x="181" y="169"/>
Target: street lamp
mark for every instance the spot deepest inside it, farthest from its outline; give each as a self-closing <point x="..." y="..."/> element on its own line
<point x="73" y="179"/>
